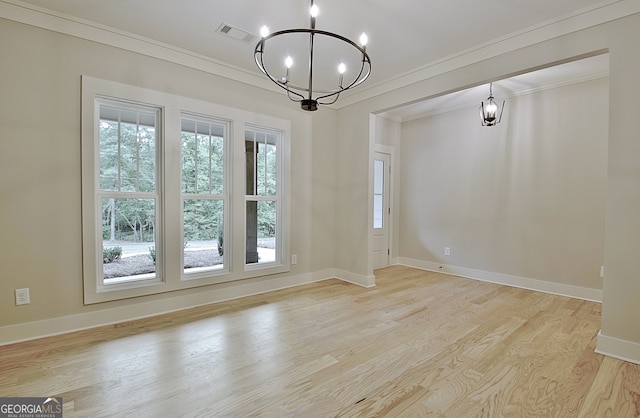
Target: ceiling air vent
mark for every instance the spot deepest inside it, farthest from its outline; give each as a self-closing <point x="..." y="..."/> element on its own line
<point x="237" y="34"/>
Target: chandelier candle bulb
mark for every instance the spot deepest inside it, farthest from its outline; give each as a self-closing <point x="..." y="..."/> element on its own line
<point x="364" y="39"/>
<point x="314" y="11"/>
<point x="341" y="69"/>
<point x="288" y="62"/>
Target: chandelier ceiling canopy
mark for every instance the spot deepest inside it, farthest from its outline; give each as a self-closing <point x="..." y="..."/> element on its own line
<point x="301" y="61"/>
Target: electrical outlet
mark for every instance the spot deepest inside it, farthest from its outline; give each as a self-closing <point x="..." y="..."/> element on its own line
<point x="294" y="258"/>
<point x="602" y="272"/>
<point x="447" y="250"/>
<point x="22" y="296"/>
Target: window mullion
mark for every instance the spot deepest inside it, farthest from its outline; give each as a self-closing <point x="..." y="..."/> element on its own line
<point x="264" y="169"/>
<point x="138" y="152"/>
<point x="119" y="180"/>
<point x="255" y="168"/>
<point x="195" y="157"/>
<point x="210" y="143"/>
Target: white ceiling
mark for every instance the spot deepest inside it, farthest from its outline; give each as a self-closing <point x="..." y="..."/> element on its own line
<point x="404" y="35"/>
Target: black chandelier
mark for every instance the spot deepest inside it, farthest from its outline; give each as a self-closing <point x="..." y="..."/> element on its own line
<point x="309" y="96"/>
<point x="489" y="111"/>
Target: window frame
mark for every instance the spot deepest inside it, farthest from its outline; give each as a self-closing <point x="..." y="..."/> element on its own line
<point x="173" y="107"/>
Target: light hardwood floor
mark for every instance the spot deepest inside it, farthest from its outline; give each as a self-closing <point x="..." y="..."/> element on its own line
<point x="419" y="344"/>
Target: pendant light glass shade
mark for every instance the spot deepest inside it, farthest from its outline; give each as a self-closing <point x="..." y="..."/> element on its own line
<point x="490" y="112"/>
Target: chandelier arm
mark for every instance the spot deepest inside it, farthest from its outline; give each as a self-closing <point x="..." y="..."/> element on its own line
<point x="331" y="93"/>
<point x="293" y="89"/>
<point x="356" y="81"/>
<point x="335" y="99"/>
<point x="294" y="99"/>
<point x="258" y="59"/>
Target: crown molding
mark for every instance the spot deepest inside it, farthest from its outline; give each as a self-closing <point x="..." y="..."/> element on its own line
<point x="47" y="19"/>
<point x="70" y="25"/>
<point x="586" y="18"/>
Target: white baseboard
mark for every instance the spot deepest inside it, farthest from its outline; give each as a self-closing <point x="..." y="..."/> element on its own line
<point x="360" y="280"/>
<point x="617" y="348"/>
<point x="54" y="326"/>
<point x="577" y="292"/>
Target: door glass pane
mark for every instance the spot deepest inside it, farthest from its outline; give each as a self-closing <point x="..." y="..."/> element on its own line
<point x="378" y="193"/>
<point x="377" y="211"/>
<point x="378" y="177"/>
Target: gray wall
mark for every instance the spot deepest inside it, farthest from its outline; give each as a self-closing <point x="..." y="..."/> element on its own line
<point x="524" y="198"/>
<point x="40" y="176"/>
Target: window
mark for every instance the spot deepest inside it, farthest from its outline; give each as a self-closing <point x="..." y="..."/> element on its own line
<point x="203" y="193"/>
<point x="165" y="204"/>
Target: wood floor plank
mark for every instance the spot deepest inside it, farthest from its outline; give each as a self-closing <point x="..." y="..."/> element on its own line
<point x="419" y="344"/>
<point x="576" y="387"/>
<point x="614" y="392"/>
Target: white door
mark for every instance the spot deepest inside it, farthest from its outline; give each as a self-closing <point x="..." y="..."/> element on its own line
<point x="381" y="209"/>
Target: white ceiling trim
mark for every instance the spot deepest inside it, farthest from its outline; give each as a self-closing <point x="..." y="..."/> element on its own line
<point x="47" y="19"/>
<point x="558" y="27"/>
<point x="92" y="31"/>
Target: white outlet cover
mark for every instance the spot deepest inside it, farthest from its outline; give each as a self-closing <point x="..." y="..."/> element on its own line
<point x="22" y="296"/>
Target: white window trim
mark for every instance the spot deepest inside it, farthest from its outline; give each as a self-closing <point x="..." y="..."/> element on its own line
<point x="173" y="107"/>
